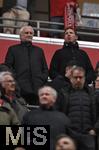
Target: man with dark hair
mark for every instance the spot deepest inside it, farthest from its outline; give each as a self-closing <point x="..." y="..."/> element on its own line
<point x="71" y="51"/>
<point x="65" y="142"/>
<point x="79" y="105"/>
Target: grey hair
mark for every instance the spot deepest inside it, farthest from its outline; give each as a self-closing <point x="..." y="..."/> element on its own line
<point x="52" y="90"/>
<point x="23" y="28"/>
<point x="4" y="73"/>
<point x="78" y="68"/>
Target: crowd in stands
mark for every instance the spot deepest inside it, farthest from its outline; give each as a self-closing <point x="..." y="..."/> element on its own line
<point x="67" y="103"/>
<point x="15" y="12"/>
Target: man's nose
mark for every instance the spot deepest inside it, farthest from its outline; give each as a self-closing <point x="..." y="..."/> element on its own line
<point x="78" y="79"/>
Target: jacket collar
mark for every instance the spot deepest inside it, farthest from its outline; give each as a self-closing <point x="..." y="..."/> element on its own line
<point x="71" y="45"/>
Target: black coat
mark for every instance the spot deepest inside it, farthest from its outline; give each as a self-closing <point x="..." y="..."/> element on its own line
<point x="66" y="54"/>
<point x="97" y="110"/>
<point x="57" y="121"/>
<point x="29" y="66"/>
<point x="79" y="106"/>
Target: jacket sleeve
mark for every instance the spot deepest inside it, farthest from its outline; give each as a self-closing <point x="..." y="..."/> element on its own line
<point x="97" y="112"/>
<point x="53" y="71"/>
<point x="9" y="59"/>
<point x="14" y="118"/>
<point x="90" y="74"/>
<point x="44" y="68"/>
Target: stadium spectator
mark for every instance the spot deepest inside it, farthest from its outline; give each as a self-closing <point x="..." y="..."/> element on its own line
<point x="28" y="64"/>
<point x="97" y="107"/>
<point x="79" y="106"/>
<point x="71" y="51"/>
<point x="8" y="94"/>
<point x="61" y="81"/>
<point x="47" y="115"/>
<point x="7" y="113"/>
<point x="17" y="9"/>
<point x="65" y="142"/>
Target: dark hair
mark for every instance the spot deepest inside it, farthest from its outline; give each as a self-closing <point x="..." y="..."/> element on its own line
<point x="4" y="67"/>
<point x="66" y="136"/>
<point x="78" y="68"/>
<point x="72" y="63"/>
<point x="70" y="27"/>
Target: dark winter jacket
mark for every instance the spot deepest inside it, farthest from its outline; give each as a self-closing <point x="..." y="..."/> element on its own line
<point x="18" y="105"/>
<point x="29" y="66"/>
<point x="79" y="106"/>
<point x="97" y="110"/>
<point x="68" y="53"/>
<point x="57" y="121"/>
<point x="8" y="115"/>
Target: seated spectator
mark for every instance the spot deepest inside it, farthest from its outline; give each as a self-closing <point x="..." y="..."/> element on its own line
<point x="8" y="94"/>
<point x="65" y="142"/>
<point x="47" y="115"/>
<point x="18" y="11"/>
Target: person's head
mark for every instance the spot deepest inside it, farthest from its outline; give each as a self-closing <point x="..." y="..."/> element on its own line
<point x="69" y="67"/>
<point x="7" y="82"/>
<point x="26" y="33"/>
<point x="47" y="96"/>
<point x="97" y="68"/>
<point x="19" y="148"/>
<point x="77" y="77"/>
<point x="70" y="35"/>
<point x="65" y="142"/>
<point x="97" y="82"/>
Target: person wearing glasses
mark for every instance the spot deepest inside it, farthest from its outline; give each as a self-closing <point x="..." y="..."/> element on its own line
<point x="28" y="64"/>
<point x="9" y="95"/>
<point x="7" y="114"/>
